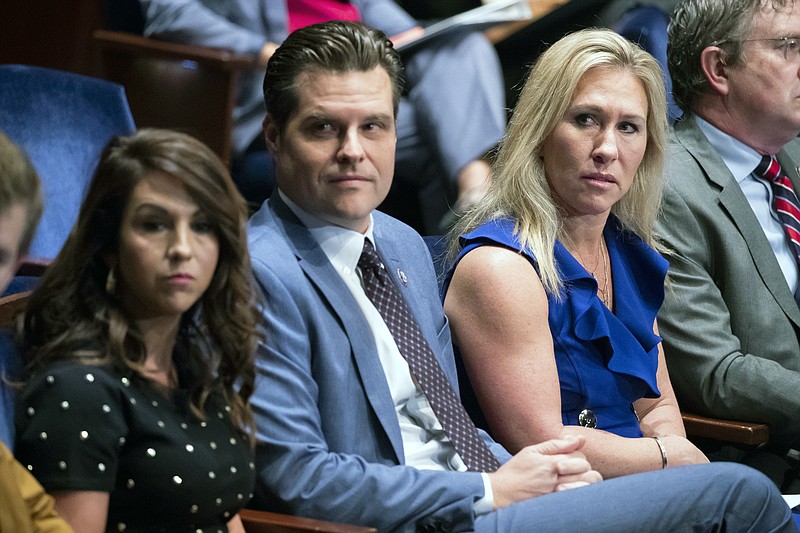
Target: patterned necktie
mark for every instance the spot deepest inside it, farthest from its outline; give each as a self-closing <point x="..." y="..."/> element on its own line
<point x="784" y="201"/>
<point x="423" y="364"/>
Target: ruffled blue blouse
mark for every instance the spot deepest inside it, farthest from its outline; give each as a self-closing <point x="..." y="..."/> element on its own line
<point x="605" y="360"/>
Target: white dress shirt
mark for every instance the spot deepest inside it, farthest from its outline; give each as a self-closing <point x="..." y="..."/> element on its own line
<point x="425" y="444"/>
<point x="742" y="161"/>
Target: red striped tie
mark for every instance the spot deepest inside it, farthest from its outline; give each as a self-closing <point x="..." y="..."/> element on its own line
<point x="784" y="201"/>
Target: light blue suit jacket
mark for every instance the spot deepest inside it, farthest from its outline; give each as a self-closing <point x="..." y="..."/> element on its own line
<point x="329" y="439"/>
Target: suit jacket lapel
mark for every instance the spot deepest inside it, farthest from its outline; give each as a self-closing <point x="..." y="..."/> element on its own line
<point x="332" y="288"/>
<point x="735" y="203"/>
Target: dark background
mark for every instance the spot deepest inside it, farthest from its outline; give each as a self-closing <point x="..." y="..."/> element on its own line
<point x="58" y="33"/>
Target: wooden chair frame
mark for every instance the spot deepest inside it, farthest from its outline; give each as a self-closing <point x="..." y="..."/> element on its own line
<point x="11" y="306"/>
<point x="730" y="431"/>
<point x="190" y="88"/>
<point x="266" y="522"/>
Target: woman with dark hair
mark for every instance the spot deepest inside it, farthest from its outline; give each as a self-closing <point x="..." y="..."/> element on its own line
<point x="140" y="342"/>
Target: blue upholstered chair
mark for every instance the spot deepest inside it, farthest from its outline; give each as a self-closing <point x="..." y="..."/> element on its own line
<point x="62" y="120"/>
<point x="28" y="275"/>
<point x="646" y="25"/>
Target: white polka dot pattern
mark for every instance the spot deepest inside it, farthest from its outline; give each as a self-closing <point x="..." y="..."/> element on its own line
<point x="426" y="369"/>
<point x="80" y="424"/>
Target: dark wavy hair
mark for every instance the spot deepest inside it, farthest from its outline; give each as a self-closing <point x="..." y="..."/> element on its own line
<point x="71" y="316"/>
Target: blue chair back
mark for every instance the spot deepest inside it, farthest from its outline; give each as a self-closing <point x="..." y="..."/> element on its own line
<point x="646" y="25"/>
<point x="27" y="278"/>
<point x="63" y="121"/>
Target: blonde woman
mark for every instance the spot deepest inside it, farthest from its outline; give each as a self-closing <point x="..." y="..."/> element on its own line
<point x="557" y="281"/>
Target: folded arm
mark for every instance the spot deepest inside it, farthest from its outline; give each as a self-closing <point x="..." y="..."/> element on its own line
<point x="498" y="312"/>
<point x="191" y="22"/>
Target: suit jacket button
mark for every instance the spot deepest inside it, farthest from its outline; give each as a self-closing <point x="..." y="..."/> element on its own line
<point x="587" y="419"/>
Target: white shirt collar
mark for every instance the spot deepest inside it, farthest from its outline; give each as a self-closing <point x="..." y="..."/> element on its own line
<point x="740" y="159"/>
<point x="342" y="246"/>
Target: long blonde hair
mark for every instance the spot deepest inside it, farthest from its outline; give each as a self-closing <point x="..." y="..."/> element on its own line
<point x="519" y="188"/>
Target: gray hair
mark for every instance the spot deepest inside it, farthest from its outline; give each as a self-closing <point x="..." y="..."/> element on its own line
<point x="698" y="24"/>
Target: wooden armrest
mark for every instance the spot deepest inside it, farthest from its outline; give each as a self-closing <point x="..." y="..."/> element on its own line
<point x="167" y="83"/>
<point x="265" y="522"/>
<point x="33" y="266"/>
<point x="11" y="306"/>
<point x="749" y="433"/>
<point x="166" y="50"/>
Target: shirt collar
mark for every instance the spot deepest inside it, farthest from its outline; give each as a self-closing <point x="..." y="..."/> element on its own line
<point x="342" y="246"/>
<point x="740" y="159"/>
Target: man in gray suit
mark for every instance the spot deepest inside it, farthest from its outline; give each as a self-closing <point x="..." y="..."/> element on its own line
<point x="730" y="322"/>
<point x="348" y="430"/>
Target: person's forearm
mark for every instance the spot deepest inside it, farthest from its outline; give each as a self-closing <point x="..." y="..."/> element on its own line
<point x="190" y="22"/>
<point x="660" y="418"/>
<point x="615" y="456"/>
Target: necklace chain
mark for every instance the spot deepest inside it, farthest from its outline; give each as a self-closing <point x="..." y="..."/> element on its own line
<point x="605" y="294"/>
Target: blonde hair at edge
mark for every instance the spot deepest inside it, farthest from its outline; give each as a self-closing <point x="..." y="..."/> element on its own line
<point x="519" y="188"/>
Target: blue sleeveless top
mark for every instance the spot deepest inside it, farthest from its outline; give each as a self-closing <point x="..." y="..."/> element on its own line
<point x="605" y="360"/>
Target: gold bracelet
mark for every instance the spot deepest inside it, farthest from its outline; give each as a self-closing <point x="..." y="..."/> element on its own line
<point x="663" y="451"/>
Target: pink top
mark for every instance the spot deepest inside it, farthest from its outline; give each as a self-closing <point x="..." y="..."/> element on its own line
<point x="306" y="12"/>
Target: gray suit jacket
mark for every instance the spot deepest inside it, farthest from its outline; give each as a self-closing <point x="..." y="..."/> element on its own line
<point x="731" y="327"/>
<point x="329" y="439"/>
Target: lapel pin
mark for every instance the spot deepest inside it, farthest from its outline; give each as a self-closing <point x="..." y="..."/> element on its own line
<point x="402" y="276"/>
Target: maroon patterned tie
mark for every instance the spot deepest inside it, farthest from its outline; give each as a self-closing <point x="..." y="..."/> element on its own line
<point x="784" y="200"/>
<point x="423" y="364"/>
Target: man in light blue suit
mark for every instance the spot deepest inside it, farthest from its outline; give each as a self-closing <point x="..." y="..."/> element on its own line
<point x="452" y="113"/>
<point x="345" y="432"/>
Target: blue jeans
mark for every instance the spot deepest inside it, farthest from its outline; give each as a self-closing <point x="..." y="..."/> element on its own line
<point x="712" y="497"/>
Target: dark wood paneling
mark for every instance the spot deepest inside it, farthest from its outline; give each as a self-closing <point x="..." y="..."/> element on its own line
<point x="49" y="33"/>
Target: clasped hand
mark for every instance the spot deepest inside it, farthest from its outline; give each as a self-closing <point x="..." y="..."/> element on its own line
<point x="542" y="468"/>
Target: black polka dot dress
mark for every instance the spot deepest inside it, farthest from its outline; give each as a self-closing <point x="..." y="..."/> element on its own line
<point x="84" y="427"/>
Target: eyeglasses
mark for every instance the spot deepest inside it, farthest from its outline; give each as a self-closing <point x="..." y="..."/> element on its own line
<point x="790" y="46"/>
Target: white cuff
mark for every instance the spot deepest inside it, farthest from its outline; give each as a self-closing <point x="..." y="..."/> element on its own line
<point x="485" y="504"/>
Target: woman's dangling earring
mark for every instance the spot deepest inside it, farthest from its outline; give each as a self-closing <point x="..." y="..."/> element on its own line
<point x="111" y="283"/>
